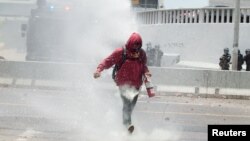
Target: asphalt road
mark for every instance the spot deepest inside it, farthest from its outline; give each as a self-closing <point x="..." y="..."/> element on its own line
<point x="95" y="115"/>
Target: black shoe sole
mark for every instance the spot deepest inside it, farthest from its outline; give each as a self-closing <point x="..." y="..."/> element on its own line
<point x="131" y="129"/>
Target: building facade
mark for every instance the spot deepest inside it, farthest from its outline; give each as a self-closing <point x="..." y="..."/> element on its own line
<point x="145" y="3"/>
<point x="230" y="3"/>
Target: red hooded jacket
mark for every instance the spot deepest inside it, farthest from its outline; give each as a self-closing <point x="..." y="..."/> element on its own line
<point x="132" y="70"/>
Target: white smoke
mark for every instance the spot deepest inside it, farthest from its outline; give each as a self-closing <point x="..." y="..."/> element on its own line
<point x="129" y="92"/>
<point x="103" y="24"/>
<point x="93" y="113"/>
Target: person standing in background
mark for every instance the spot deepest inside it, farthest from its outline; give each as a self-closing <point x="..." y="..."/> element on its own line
<point x="225" y="60"/>
<point x="158" y="56"/>
<point x="240" y="61"/>
<point x="247" y="59"/>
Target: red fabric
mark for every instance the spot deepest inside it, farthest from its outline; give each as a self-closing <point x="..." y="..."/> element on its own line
<point x="134" y="38"/>
<point x="132" y="70"/>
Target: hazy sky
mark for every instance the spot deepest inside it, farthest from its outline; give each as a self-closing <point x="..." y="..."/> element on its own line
<point x="169" y="4"/>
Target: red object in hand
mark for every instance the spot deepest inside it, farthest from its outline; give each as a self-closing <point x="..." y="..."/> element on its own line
<point x="150" y="88"/>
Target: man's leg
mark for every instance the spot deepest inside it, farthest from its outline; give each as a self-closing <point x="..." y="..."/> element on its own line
<point x="128" y="107"/>
<point x="126" y="111"/>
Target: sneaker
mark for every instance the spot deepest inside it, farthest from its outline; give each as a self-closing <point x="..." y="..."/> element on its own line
<point x="131" y="129"/>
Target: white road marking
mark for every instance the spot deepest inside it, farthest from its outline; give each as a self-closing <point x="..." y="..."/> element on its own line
<point x="27" y="135"/>
<point x="162" y="102"/>
<point x="196" y="114"/>
<point x="176" y="103"/>
<point x="14" y="104"/>
<point x="185" y="113"/>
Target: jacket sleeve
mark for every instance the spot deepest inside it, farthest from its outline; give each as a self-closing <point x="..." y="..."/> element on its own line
<point x="112" y="59"/>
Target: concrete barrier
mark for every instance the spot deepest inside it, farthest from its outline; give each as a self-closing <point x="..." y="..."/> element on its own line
<point x="183" y="80"/>
<point x="44" y="74"/>
<point x="41" y="70"/>
<point x="201" y="77"/>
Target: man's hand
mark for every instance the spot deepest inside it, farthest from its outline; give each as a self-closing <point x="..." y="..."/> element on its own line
<point x="97" y="74"/>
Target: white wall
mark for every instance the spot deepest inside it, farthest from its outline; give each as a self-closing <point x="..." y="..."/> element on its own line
<point x="195" y="42"/>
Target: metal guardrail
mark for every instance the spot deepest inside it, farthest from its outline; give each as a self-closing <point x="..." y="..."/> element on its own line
<point x="201" y="15"/>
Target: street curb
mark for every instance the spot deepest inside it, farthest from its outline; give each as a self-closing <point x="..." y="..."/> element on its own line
<point x="221" y="96"/>
<point x="143" y="92"/>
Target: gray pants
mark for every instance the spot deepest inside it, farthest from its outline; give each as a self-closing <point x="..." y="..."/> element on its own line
<point x="129" y="103"/>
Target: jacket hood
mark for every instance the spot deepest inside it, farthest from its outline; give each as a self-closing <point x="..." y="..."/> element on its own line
<point x="134" y="38"/>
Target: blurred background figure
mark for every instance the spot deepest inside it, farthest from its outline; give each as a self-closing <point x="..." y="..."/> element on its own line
<point x="154" y="55"/>
<point x="150" y="52"/>
<point x="158" y="56"/>
<point x="247" y="59"/>
<point x="225" y="60"/>
<point x="240" y="61"/>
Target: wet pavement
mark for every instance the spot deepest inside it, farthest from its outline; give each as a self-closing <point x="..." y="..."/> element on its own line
<point x="93" y="115"/>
